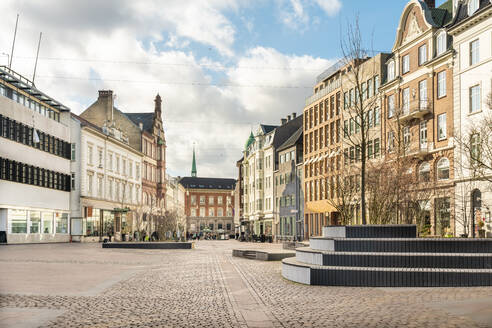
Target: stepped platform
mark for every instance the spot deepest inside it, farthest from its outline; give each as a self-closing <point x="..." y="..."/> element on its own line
<point x="150" y="245"/>
<point x="396" y="260"/>
<point x="390" y="256"/>
<point x="312" y="274"/>
<point x="263" y="255"/>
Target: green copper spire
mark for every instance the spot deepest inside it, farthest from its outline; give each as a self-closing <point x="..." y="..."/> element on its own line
<point x="250" y="140"/>
<point x="193" y="165"/>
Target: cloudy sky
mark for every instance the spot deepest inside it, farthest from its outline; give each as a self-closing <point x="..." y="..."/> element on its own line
<point x="221" y="66"/>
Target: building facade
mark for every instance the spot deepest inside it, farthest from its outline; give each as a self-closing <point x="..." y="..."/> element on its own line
<point x="145" y="134"/>
<point x="289" y="194"/>
<point x="209" y="204"/>
<point x="175" y="203"/>
<point x="418" y="107"/>
<point x="106" y="182"/>
<point x="34" y="163"/>
<point x="472" y="42"/>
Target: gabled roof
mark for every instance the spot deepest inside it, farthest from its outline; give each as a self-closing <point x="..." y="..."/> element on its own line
<point x="283" y="132"/>
<point x="462" y="12"/>
<point x="147" y="119"/>
<point x="208" y="183"/>
<point x="267" y="128"/>
<point x="294" y="139"/>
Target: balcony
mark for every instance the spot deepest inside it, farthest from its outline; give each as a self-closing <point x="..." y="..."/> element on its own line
<point x="422" y="150"/>
<point x="416" y="110"/>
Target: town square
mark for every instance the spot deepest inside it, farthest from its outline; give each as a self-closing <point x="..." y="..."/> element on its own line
<point x="231" y="163"/>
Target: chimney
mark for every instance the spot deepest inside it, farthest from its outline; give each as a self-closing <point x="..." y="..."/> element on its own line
<point x="288" y="118"/>
<point x="294" y="115"/>
<point x="140" y="125"/>
<point x="106" y="100"/>
<point x="283" y="121"/>
<point x="430" y="3"/>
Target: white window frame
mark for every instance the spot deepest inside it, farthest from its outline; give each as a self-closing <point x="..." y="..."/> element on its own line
<point x="472" y="6"/>
<point x="475" y="99"/>
<point x="441" y="84"/>
<point x="441" y="43"/>
<point x="474" y="52"/>
<point x="391" y="71"/>
<point x="422" y="54"/>
<point x="391" y="106"/>
<point x="405" y="63"/>
<point x="441" y="166"/>
<point x="441" y="127"/>
<point x="406" y="101"/>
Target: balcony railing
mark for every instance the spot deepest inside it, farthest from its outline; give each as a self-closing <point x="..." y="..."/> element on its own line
<point x="421" y="150"/>
<point x="415" y="110"/>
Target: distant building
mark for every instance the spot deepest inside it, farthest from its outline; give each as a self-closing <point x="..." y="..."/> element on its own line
<point x="34" y="163"/>
<point x="209" y="204"/>
<point x="175" y="202"/>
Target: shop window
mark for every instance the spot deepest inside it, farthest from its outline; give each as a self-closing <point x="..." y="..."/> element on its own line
<point x="18" y="221"/>
<point x="35" y="220"/>
<point x="61" y="222"/>
<point x="47" y="220"/>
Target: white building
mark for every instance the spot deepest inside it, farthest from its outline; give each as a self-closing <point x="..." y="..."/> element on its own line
<point x="106" y="182"/>
<point x="34" y="163"/>
<point x="471" y="30"/>
<point x="175" y="202"/>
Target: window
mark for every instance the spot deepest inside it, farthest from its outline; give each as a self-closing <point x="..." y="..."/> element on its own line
<point x="441" y="84"/>
<point x="35" y="219"/>
<point x="406" y="101"/>
<point x="443" y="169"/>
<point x="72" y="154"/>
<point x="211" y="212"/>
<point x="376" y="84"/>
<point x="18" y="221"/>
<point x="422" y="54"/>
<point x="472" y="6"/>
<point x="100" y="157"/>
<point x="423" y="135"/>
<point x="370" y="88"/>
<point x="89" y="184"/>
<point x="193" y="200"/>
<point x="474" y="52"/>
<point x="377" y="116"/>
<point x="47" y="219"/>
<point x="406" y="64"/>
<point x="202" y="200"/>
<point x="220" y="212"/>
<point x="391" y="141"/>
<point x="441" y="43"/>
<point x="391" y="106"/>
<point x="391" y="71"/>
<point x="441" y="126"/>
<point x="475" y="99"/>
<point x="193" y="212"/>
<point x="72" y="181"/>
<point x="376" y="147"/>
<point x="211" y="200"/>
<point x="423" y="94"/>
<point x="202" y="211"/>
<point x="110" y="162"/>
<point x="100" y="187"/>
<point x="137" y="170"/>
<point x="89" y="155"/>
<point x="61" y="223"/>
<point x="475" y="148"/>
<point x="424" y="172"/>
<point x="369" y="149"/>
<point x="406" y="136"/>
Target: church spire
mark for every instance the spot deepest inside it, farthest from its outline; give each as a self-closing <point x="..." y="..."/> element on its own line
<point x="193" y="165"/>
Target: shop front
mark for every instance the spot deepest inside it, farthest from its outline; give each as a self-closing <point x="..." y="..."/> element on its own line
<point x="22" y="225"/>
<point x="99" y="224"/>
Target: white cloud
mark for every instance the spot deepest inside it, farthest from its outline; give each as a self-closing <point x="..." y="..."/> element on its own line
<point x="121" y="52"/>
<point x="295" y="14"/>
<point x="330" y="7"/>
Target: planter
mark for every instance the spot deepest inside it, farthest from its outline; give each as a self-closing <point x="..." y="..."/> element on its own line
<point x="464" y="235"/>
<point x="481" y="233"/>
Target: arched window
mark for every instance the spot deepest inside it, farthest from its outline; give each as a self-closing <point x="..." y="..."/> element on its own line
<point x="424" y="172"/>
<point x="441" y="43"/>
<point x="443" y="169"/>
<point x="391" y="70"/>
<point x="472" y="6"/>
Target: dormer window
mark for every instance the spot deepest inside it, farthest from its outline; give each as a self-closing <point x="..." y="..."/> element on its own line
<point x="391" y="71"/>
<point x="441" y="43"/>
<point x="472" y="6"/>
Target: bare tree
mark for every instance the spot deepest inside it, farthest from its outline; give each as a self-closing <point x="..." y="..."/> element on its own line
<point x="344" y="188"/>
<point x="167" y="223"/>
<point x="357" y="100"/>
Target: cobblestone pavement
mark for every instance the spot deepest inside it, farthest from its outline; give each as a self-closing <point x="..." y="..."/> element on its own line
<point x="86" y="286"/>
